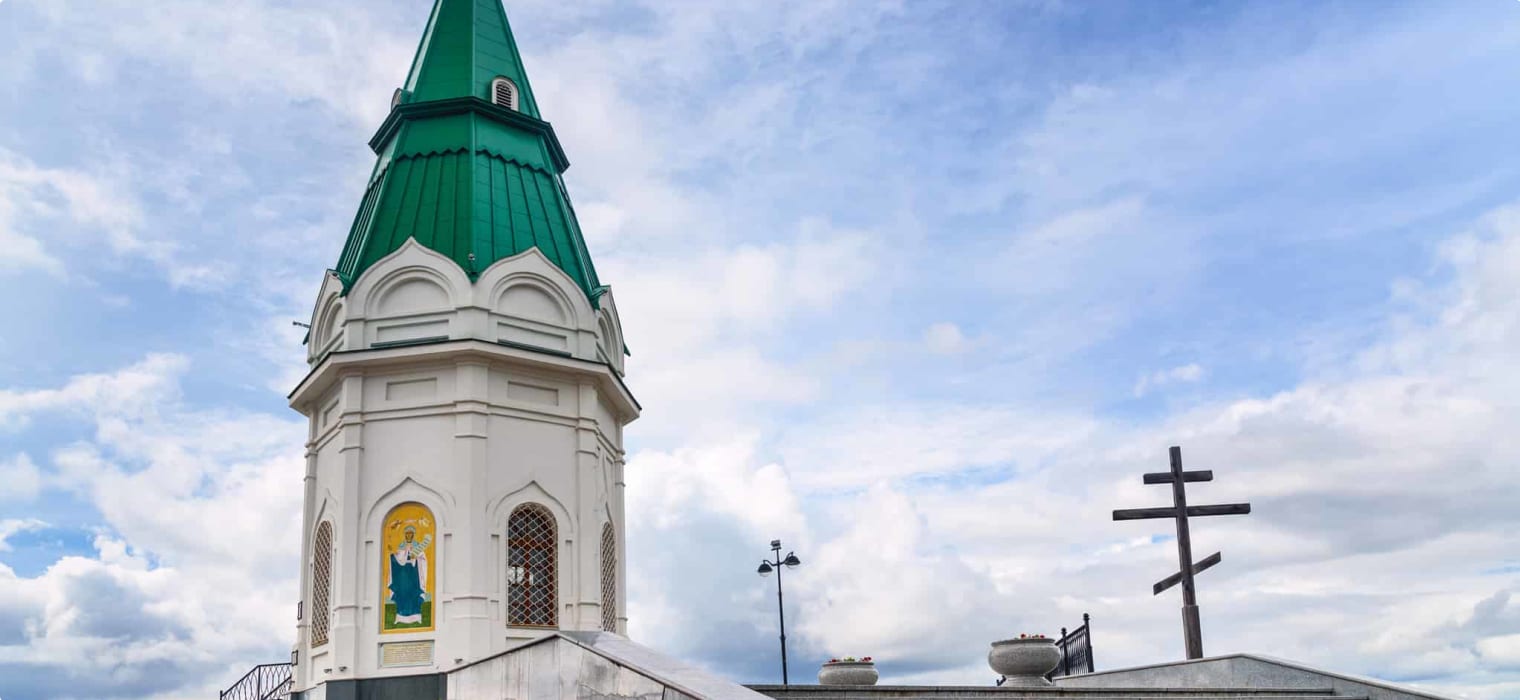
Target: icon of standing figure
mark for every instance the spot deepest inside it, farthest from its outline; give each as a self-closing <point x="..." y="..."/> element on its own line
<point x="407" y="568"/>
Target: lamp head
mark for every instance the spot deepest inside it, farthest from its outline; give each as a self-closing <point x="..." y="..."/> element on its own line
<point x="765" y="569"/>
<point x="791" y="561"/>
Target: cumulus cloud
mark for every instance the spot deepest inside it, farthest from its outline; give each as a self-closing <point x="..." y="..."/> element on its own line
<point x="132" y="391"/>
<point x="193" y="571"/>
<point x="1381" y="499"/>
<point x="700" y="324"/>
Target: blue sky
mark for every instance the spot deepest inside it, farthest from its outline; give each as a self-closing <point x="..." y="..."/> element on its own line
<point x="919" y="287"/>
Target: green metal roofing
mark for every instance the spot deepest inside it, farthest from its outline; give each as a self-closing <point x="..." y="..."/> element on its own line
<point x="467" y="178"/>
<point x="467" y="45"/>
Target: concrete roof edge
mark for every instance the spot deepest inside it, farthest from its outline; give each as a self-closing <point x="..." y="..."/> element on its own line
<point x="959" y="690"/>
<point x="1375" y="682"/>
<point x="640" y="668"/>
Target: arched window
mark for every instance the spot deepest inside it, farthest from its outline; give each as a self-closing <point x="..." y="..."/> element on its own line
<point x="531" y="587"/>
<point x="609" y="579"/>
<point x="321" y="583"/>
<point x="504" y="93"/>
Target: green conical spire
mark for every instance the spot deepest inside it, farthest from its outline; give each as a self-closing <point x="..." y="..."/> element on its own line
<point x="473" y="180"/>
<point x="467" y="45"/>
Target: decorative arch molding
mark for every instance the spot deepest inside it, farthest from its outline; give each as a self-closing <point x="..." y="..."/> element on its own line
<point x="386" y="291"/>
<point x="561" y="311"/>
<point x="531" y="265"/>
<point x="408" y="490"/>
<point x="411" y="261"/>
<point x="329" y="323"/>
<point x="409" y="294"/>
<point x="499" y="511"/>
<point x="325" y="506"/>
<point x="322" y="319"/>
<point x="607" y="316"/>
<point x="605" y="340"/>
<point x="608" y="308"/>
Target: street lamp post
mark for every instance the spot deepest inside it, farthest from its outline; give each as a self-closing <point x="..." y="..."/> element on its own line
<point x="766" y="567"/>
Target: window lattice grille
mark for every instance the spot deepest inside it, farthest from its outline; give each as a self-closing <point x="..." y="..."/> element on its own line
<point x="531" y="587"/>
<point x="609" y="579"/>
<point x="321" y="583"/>
<point x="504" y="93"/>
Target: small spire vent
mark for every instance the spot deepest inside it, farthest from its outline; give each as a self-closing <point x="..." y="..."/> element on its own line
<point x="504" y="93"/>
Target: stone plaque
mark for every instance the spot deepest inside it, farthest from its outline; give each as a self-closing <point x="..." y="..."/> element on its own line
<point x="407" y="653"/>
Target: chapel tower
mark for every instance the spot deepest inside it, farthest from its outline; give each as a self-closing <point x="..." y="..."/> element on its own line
<point x="464" y="464"/>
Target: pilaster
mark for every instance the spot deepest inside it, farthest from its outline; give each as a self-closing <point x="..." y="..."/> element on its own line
<point x="470" y="600"/>
<point x="348" y="573"/>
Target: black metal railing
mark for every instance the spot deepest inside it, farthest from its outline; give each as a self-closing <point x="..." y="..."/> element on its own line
<point x="1076" y="650"/>
<point x="265" y="682"/>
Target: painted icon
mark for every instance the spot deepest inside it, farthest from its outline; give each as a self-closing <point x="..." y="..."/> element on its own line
<point x="408" y="570"/>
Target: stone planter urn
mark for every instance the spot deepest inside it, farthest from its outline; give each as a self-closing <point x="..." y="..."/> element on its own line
<point x="1024" y="662"/>
<point x="848" y="673"/>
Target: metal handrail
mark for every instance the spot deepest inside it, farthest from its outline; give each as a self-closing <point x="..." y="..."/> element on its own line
<point x="1085" y="657"/>
<point x="281" y="691"/>
<point x="262" y="682"/>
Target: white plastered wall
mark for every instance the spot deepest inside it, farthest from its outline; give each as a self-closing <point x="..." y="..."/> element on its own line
<point x="524" y="416"/>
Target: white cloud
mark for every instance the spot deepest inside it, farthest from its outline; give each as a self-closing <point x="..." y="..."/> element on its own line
<point x="35" y="199"/>
<point x="193" y="571"/>
<point x="1083" y="274"/>
<point x="722" y="478"/>
<point x="131" y="392"/>
<point x="867" y="445"/>
<point x="886" y="587"/>
<point x="699" y="325"/>
<point x="20" y="480"/>
<point x="346" y="60"/>
<point x="945" y="338"/>
<point x="1502" y="651"/>
<point x="14" y="526"/>
<point x="1382" y="497"/>
<point x="1182" y="374"/>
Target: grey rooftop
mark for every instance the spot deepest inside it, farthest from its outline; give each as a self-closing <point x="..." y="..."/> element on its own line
<point x="1248" y="671"/>
<point x="990" y="692"/>
<point x="588" y="666"/>
<point x="1232" y="676"/>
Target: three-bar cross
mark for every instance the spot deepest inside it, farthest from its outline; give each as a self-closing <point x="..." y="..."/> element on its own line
<point x="1192" y="629"/>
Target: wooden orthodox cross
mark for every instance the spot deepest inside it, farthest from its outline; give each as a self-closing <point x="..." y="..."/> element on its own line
<point x="1192" y="630"/>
